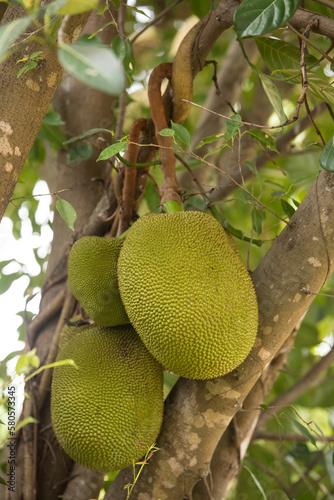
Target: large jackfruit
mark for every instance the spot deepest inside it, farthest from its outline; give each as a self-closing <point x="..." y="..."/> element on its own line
<point x="92" y="276"/>
<point x="104" y="412"/>
<point x="187" y="293"/>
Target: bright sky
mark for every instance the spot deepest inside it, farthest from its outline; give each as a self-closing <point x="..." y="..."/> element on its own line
<point x="21" y="250"/>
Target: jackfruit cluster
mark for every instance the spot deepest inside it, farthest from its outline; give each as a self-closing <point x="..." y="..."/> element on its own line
<point x="188" y="294"/>
<point x="92" y="276"/>
<point x="106" y="412"/>
<point x="193" y="311"/>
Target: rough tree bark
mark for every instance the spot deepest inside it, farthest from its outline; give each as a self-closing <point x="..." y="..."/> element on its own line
<point x="24" y="102"/>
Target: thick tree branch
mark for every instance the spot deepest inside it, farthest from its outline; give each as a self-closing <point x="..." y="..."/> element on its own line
<point x="227" y="459"/>
<point x="24" y="102"/>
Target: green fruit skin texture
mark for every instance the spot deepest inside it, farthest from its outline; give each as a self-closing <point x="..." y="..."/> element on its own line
<point x="114" y="401"/>
<point x="188" y="294"/>
<point x="92" y="276"/>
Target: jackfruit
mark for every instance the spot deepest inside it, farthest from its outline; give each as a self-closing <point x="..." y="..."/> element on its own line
<point x="188" y="294"/>
<point x="92" y="276"/>
<point x="105" y="412"/>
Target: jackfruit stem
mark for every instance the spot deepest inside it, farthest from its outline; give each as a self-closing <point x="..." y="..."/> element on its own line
<point x="182" y="78"/>
<point x="169" y="189"/>
<point x="130" y="175"/>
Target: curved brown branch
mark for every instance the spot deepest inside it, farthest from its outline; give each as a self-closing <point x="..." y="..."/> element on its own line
<point x="130" y="175"/>
<point x="169" y="189"/>
<point x="182" y="77"/>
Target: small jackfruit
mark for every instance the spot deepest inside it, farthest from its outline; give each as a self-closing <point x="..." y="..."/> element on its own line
<point x="107" y="410"/>
<point x="188" y="294"/>
<point x="92" y="276"/>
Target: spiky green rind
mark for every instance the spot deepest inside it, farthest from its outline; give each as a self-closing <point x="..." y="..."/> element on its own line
<point x="112" y="403"/>
<point x="188" y="294"/>
<point x="92" y="276"/>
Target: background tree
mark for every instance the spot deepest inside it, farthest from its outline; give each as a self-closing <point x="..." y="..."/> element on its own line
<point x="258" y="154"/>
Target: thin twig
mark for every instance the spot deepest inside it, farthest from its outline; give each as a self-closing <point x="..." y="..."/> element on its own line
<point x="216" y="84"/>
<point x="35" y="195"/>
<point x="299" y="438"/>
<point x="122" y="102"/>
<point x="309" y="114"/>
<point x="155" y="20"/>
<point x="296" y="32"/>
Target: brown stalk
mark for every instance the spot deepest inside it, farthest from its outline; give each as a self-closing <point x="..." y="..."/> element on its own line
<point x="169" y="189"/>
<point x="130" y="175"/>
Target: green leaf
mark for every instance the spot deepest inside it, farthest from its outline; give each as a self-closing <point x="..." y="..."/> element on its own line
<point x="69" y="362"/>
<point x="181" y="133"/>
<point x="94" y="65"/>
<point x="25" y="421"/>
<point x="258" y="17"/>
<point x="196" y="202"/>
<point x="304" y="430"/>
<point x="257" y="219"/>
<point x="326" y="158"/>
<point x="73" y="7"/>
<point x="80" y="152"/>
<point x="7" y="280"/>
<point x="213" y="151"/>
<point x="266" y="140"/>
<point x="26" y="362"/>
<point x="232" y="126"/>
<point x="278" y="194"/>
<point x="53" y="118"/>
<point x="208" y="140"/>
<point x="66" y="212"/>
<point x="111" y="151"/>
<point x="274" y="96"/>
<point x="35" y="55"/>
<point x="277" y="495"/>
<point x="129" y="60"/>
<point x="321" y="88"/>
<point x="2" y="481"/>
<point x="53" y="134"/>
<point x="167" y="132"/>
<point x="281" y="55"/>
<point x="11" y="31"/>
<point x="257" y="482"/>
<point x="287" y="209"/>
<point x="86" y="135"/>
<point x="119" y="47"/>
<point x="27" y="67"/>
